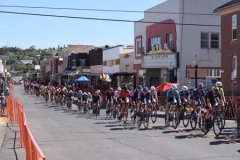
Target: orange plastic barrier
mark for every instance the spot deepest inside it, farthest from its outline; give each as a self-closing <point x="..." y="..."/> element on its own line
<point x="16" y="115"/>
<point x="232" y="107"/>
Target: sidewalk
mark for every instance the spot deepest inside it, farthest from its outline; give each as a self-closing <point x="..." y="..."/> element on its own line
<point x="10" y="145"/>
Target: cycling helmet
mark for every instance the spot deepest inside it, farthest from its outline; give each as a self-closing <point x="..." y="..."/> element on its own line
<point x="124" y="87"/>
<point x="184" y="88"/>
<point x="219" y="84"/>
<point x="139" y="87"/>
<point x="215" y="90"/>
<point x="145" y="89"/>
<point x="200" y="85"/>
<point x="174" y="86"/>
<point x="153" y="88"/>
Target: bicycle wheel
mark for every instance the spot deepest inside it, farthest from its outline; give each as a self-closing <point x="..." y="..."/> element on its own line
<point x="133" y="117"/>
<point x="204" y="124"/>
<point x="146" y="121"/>
<point x="125" y="116"/>
<point x="153" y="116"/>
<point x="217" y="124"/>
<point x="193" y="120"/>
<point x="176" y="119"/>
<point x="186" y="117"/>
<point x="139" y="122"/>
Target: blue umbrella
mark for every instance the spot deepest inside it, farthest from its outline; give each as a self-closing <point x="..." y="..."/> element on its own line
<point x="82" y="79"/>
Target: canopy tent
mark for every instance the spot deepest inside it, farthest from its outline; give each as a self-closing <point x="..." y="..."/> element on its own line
<point x="82" y="79"/>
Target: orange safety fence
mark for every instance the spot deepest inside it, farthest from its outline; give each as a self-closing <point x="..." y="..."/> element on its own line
<point x="16" y="115"/>
<point x="233" y="104"/>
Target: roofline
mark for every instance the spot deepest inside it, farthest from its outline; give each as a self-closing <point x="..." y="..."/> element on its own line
<point x="228" y="9"/>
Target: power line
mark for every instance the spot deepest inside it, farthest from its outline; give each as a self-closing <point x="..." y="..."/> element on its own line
<point x="105" y="10"/>
<point x="101" y="19"/>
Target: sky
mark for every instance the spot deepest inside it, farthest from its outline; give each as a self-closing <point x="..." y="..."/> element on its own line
<point x="43" y="32"/>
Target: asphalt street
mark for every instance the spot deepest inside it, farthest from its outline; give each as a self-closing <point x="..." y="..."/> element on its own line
<point x="62" y="134"/>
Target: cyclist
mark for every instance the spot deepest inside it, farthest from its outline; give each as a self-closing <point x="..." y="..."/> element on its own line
<point x="90" y="98"/>
<point x="85" y="101"/>
<point x="184" y="94"/>
<point x="154" y="95"/>
<point x="212" y="96"/>
<point x="96" y="102"/>
<point x="79" y="99"/>
<point x="199" y="95"/>
<point x="110" y="97"/>
<point x="172" y="97"/>
<point x="221" y="90"/>
<point x="124" y="96"/>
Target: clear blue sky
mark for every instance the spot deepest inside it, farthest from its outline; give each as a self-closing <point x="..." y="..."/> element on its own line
<point x="43" y="32"/>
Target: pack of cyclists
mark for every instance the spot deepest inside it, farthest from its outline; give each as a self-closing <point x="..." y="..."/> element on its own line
<point x="139" y="101"/>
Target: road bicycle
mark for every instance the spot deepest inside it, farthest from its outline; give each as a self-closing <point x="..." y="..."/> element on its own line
<point x="96" y="109"/>
<point x="153" y="111"/>
<point x="214" y="121"/>
<point x="172" y="115"/>
<point x="143" y="116"/>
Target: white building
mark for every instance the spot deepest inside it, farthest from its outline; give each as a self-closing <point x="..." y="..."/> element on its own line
<point x="191" y="30"/>
<point x="118" y="63"/>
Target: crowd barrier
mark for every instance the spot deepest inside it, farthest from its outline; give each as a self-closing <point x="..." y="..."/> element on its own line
<point x="16" y="115"/>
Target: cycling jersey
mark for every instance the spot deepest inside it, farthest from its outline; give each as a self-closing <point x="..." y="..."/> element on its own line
<point x="124" y="93"/>
<point x="84" y="97"/>
<point x="110" y="96"/>
<point x="221" y="92"/>
<point x="172" y="96"/>
<point x="212" y="98"/>
<point x="184" y="95"/>
<point x="96" y="98"/>
<point x="198" y="94"/>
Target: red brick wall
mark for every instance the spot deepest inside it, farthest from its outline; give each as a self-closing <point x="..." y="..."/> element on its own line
<point x="229" y="48"/>
<point x="161" y="29"/>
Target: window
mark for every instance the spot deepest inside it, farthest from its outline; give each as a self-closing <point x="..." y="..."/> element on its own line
<point x="139" y="48"/>
<point x="209" y="40"/>
<point x="169" y="40"/>
<point x="155" y="43"/>
<point x="234" y="67"/>
<point x="214" y="73"/>
<point x="234" y="27"/>
<point x="214" y="40"/>
<point x="204" y="40"/>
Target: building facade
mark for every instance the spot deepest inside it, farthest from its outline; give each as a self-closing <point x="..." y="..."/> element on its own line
<point x="118" y="64"/>
<point x="230" y="29"/>
<point x="170" y="48"/>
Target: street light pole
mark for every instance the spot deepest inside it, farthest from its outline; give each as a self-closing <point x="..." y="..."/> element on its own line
<point x="196" y="75"/>
<point x="195" y="64"/>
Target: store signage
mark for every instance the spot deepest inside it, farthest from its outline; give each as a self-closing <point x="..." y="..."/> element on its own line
<point x="159" y="61"/>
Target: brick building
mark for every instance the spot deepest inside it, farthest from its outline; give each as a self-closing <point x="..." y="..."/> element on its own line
<point x="230" y="32"/>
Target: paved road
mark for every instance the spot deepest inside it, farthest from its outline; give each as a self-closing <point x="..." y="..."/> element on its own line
<point x="65" y="135"/>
